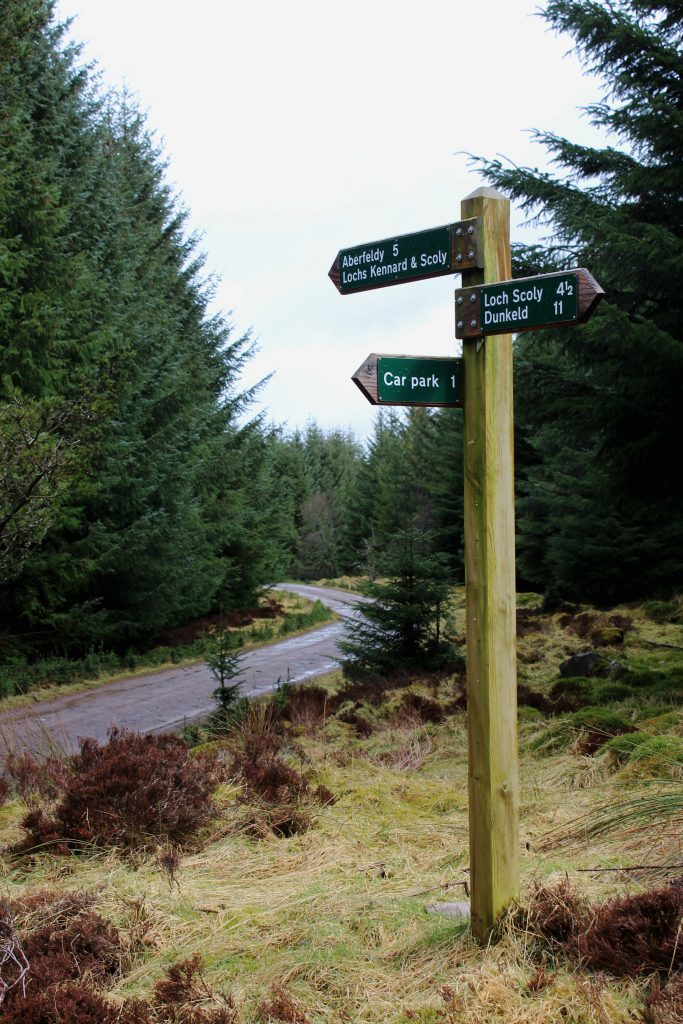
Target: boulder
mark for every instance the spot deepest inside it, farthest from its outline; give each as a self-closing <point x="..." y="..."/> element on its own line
<point x="587" y="664"/>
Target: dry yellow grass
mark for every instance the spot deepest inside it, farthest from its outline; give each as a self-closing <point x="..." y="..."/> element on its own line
<point x="337" y="915"/>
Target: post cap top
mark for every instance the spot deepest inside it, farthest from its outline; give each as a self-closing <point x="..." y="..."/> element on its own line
<point x="487" y="192"/>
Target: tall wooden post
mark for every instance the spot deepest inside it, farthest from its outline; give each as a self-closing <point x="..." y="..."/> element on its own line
<point x="490" y="588"/>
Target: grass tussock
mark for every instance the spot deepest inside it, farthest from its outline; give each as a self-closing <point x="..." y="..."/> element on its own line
<point x="280" y="797"/>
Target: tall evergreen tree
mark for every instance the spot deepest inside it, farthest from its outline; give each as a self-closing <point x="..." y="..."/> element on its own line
<point x="48" y="294"/>
<point x="599" y="410"/>
<point x="330" y="464"/>
<point x="443" y="474"/>
<point x="108" y="342"/>
<point x="402" y="624"/>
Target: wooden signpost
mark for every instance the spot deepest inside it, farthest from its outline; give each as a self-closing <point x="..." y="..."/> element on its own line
<point x="490" y="591"/>
<point x="489" y="303"/>
<point x="410" y="380"/>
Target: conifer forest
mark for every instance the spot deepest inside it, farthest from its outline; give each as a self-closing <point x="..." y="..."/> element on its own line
<point x="138" y="491"/>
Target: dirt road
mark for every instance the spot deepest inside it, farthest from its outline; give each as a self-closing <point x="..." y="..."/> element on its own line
<point x="165" y="701"/>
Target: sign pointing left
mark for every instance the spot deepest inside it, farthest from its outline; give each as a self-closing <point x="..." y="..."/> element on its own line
<point x="422" y="254"/>
<point x="410" y="380"/>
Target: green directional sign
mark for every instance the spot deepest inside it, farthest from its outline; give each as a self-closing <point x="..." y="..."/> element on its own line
<point x="413" y="257"/>
<point x="526" y="304"/>
<point x="410" y="380"/>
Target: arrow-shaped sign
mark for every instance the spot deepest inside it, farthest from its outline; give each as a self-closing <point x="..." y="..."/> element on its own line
<point x="445" y="250"/>
<point x="526" y="304"/>
<point x="410" y="380"/>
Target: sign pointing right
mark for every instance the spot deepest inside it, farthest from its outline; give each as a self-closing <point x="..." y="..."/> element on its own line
<point x="526" y="304"/>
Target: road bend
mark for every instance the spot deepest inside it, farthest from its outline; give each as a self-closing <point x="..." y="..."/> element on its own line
<point x="166" y="701"/>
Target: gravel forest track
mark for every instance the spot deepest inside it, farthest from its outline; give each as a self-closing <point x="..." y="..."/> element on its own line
<point x="166" y="701"/>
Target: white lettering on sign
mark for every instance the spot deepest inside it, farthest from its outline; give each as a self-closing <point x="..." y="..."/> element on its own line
<point x="424" y="382"/>
<point x="370" y="263"/>
<point x="393" y="380"/>
<point x="534" y="294"/>
<point x="437" y="259"/>
<point x="506" y="316"/>
<point x="367" y="256"/>
<point x="512" y="314"/>
<point x="389" y="268"/>
<point x="360" y="261"/>
<point x="348" y="276"/>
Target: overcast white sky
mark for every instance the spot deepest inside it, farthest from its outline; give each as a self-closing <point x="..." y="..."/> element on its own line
<point x="296" y="129"/>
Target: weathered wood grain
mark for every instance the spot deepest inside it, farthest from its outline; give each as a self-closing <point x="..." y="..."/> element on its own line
<point x="490" y="589"/>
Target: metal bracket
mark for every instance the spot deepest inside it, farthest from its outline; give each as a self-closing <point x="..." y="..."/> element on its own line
<point x="465" y="245"/>
<point x="467" y="312"/>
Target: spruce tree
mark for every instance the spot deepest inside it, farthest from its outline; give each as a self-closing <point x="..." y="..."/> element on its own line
<point x="330" y="461"/>
<point x="442" y="472"/>
<point x="402" y="624"/>
<point x="109" y="345"/>
<point x="598" y="407"/>
<point x="49" y="296"/>
<point x="224" y="660"/>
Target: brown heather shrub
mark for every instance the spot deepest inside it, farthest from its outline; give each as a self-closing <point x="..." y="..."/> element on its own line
<point x="36" y="778"/>
<point x="625" y="936"/>
<point x="272" y="780"/>
<point x="70" y="1003"/>
<point x="636" y="934"/>
<point x="555" y="913"/>
<point x="265" y="775"/>
<point x="280" y="796"/>
<point x="68" y="949"/>
<point x="664" y="1005"/>
<point x="184" y="983"/>
<point x="256" y="740"/>
<point x="4" y="789"/>
<point x="133" y="791"/>
<point x="14" y="966"/>
<point x="323" y="795"/>
<point x="169" y="860"/>
<point x="178" y="997"/>
<point x="88" y="945"/>
<point x="64" y="939"/>
<point x="280" y="1007"/>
